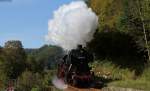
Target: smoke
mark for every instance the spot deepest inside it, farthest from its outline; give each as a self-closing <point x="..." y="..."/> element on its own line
<point x="58" y="83"/>
<point x="71" y="25"/>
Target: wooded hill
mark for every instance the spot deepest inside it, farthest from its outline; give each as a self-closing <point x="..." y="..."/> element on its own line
<point x="124" y="30"/>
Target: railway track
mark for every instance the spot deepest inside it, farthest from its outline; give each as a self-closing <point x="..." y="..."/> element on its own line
<point x="70" y="88"/>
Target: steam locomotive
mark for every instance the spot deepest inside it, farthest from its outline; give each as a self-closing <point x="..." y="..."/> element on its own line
<point x="73" y="68"/>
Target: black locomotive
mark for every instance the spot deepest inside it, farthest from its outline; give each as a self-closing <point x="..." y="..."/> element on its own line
<point x="74" y="69"/>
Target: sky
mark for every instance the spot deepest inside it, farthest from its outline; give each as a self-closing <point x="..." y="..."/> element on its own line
<point x="27" y="20"/>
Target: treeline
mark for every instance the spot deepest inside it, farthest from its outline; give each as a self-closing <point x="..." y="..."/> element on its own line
<point x="123" y="35"/>
<point x="30" y="68"/>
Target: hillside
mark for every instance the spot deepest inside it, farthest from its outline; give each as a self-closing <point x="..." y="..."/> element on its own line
<point x="47" y="54"/>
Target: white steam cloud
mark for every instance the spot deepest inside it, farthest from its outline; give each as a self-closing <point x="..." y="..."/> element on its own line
<point x="59" y="83"/>
<point x="71" y="25"/>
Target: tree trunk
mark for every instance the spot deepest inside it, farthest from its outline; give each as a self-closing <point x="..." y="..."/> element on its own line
<point x="144" y="30"/>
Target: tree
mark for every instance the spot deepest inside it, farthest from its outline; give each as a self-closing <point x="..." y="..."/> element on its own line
<point x="32" y="64"/>
<point x="142" y="7"/>
<point x="13" y="59"/>
<point x="0" y="49"/>
<point x="108" y="11"/>
<point x="130" y="16"/>
<point x="46" y="56"/>
<point x="120" y="48"/>
<point x="3" y="76"/>
<point x="29" y="80"/>
<point x="133" y="19"/>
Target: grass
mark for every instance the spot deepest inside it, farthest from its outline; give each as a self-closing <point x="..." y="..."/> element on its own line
<point x="142" y="82"/>
<point x="136" y="84"/>
<point x="121" y="77"/>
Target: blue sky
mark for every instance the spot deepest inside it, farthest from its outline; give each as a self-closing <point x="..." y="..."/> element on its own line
<point x="27" y="20"/>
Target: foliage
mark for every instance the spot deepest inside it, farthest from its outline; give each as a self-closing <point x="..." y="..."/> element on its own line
<point x="120" y="48"/>
<point x="124" y="16"/>
<point x="113" y="13"/>
<point x="45" y="57"/>
<point x="35" y="89"/>
<point x="32" y="64"/>
<point x="13" y="44"/>
<point x="13" y="63"/>
<point x="125" y="51"/>
<point x="108" y="11"/>
<point x="27" y="66"/>
<point x="119" y="77"/>
<point x="3" y="80"/>
<point x="48" y="77"/>
<point x="136" y="84"/>
<point x="50" y="54"/>
<point x="107" y="70"/>
<point x="143" y="82"/>
<point x="28" y="80"/>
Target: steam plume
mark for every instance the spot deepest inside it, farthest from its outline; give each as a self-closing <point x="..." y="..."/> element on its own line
<point x="71" y="25"/>
<point x="59" y="83"/>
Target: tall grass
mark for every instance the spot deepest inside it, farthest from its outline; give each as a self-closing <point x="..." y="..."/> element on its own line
<point x="108" y="70"/>
<point x="121" y="77"/>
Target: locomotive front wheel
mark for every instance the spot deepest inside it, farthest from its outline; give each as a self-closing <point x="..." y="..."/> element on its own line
<point x="74" y="82"/>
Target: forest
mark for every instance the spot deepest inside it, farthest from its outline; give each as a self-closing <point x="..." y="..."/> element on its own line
<point x="121" y="49"/>
<point x="18" y="65"/>
<point x="121" y="43"/>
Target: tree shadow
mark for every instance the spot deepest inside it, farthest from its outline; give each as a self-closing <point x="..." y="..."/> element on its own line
<point x="101" y="82"/>
<point x="121" y="48"/>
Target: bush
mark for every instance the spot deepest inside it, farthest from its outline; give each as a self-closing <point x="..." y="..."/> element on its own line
<point x="121" y="77"/>
<point x="108" y="70"/>
<point x="29" y="80"/>
<point x="48" y="77"/>
<point x="120" y="48"/>
<point x="146" y="75"/>
<point x="35" y="89"/>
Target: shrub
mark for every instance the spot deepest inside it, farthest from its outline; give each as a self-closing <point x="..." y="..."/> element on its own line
<point x="108" y="70"/>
